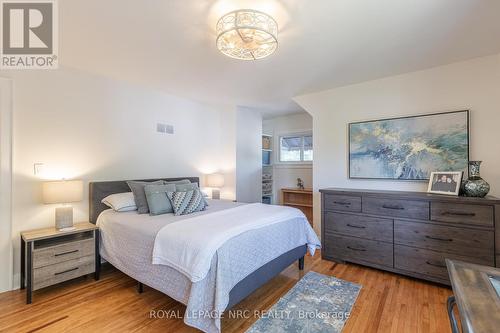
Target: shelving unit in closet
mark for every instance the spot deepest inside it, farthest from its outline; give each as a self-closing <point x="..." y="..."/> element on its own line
<point x="267" y="169"/>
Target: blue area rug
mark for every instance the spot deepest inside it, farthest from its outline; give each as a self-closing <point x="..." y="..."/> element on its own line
<point x="317" y="303"/>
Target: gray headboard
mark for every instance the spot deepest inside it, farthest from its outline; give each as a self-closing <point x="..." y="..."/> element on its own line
<point x="100" y="190"/>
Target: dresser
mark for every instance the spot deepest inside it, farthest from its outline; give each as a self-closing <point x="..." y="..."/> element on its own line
<point x="410" y="233"/>
<point x="299" y="198"/>
<point x="50" y="256"/>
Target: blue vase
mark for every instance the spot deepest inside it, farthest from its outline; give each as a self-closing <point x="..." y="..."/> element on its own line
<point x="475" y="186"/>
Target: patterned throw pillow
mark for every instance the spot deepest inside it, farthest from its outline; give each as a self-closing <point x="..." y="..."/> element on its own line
<point x="187" y="202"/>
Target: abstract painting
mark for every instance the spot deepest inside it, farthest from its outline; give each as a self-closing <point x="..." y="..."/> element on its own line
<point x="409" y="148"/>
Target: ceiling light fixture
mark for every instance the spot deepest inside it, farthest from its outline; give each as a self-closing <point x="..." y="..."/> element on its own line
<point x="247" y="34"/>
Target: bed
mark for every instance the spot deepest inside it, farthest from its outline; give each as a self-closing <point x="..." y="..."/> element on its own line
<point x="239" y="267"/>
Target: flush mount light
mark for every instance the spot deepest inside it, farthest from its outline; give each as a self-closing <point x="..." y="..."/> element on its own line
<point x="247" y="34"/>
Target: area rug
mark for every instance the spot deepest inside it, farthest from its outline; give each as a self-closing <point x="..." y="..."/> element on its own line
<point x="317" y="303"/>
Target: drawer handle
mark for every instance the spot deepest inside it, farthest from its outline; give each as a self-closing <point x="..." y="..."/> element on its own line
<point x="64" y="253"/>
<point x="355" y="226"/>
<point x="440" y="239"/>
<point x="69" y="270"/>
<point x="459" y="214"/>
<point x="393" y="207"/>
<point x="435" y="265"/>
<point x="355" y="249"/>
<point x="345" y="203"/>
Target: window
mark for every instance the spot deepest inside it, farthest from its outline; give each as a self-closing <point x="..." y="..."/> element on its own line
<point x="296" y="148"/>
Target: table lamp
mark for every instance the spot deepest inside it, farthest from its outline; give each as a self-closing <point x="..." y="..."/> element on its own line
<point x="62" y="192"/>
<point x="215" y="181"/>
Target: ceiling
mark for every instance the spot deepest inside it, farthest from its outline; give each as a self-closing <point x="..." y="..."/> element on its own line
<point x="170" y="44"/>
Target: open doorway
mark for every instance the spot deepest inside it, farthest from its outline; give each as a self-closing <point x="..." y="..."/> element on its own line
<point x="5" y="184"/>
<point x="287" y="161"/>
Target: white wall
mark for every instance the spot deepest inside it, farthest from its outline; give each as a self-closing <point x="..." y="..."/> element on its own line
<point x="91" y="128"/>
<point x="286" y="174"/>
<point x="227" y="153"/>
<point x="473" y="85"/>
<point x="248" y="155"/>
<point x="5" y="185"/>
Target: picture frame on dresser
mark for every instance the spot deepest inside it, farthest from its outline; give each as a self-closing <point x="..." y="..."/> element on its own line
<point x="447" y="183"/>
<point x="408" y="148"/>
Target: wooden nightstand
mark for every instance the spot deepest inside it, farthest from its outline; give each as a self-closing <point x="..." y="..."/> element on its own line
<point x="50" y="256"/>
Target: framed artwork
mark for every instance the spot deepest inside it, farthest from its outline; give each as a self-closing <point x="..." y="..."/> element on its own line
<point x="409" y="148"/>
<point x="445" y="182"/>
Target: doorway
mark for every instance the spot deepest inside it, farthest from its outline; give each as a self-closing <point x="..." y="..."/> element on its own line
<point x="287" y="161"/>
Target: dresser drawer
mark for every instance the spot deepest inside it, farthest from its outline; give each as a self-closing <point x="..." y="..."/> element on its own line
<point x="398" y="208"/>
<point x="359" y="226"/>
<point x="462" y="213"/>
<point x="347" y="203"/>
<point x="359" y="250"/>
<point x="429" y="262"/>
<point x="60" y="253"/>
<point x="469" y="242"/>
<point x="67" y="270"/>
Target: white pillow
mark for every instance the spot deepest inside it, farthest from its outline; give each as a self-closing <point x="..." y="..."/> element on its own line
<point x="120" y="202"/>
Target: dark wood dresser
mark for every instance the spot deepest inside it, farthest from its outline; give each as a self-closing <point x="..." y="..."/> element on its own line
<point x="411" y="233"/>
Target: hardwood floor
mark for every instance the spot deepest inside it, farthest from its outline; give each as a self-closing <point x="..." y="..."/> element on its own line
<point x="387" y="303"/>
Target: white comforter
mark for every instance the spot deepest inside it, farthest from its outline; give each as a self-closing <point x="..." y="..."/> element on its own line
<point x="190" y="245"/>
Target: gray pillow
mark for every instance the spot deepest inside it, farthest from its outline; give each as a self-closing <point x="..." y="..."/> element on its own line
<point x="156" y="196"/>
<point x="180" y="182"/>
<point x="139" y="196"/>
<point x="185" y="187"/>
<point x="137" y="188"/>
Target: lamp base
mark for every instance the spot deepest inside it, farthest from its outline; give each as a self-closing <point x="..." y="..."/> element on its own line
<point x="64" y="217"/>
<point x="215" y="193"/>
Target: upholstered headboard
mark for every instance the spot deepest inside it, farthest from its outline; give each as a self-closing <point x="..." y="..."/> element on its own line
<point x="100" y="190"/>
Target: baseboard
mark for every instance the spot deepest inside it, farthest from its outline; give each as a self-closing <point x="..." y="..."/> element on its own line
<point x="16" y="283"/>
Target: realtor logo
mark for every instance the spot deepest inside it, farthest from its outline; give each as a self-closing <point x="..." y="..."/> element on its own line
<point x="29" y="34"/>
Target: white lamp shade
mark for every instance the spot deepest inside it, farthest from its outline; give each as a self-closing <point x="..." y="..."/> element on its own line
<point x="62" y="191"/>
<point x="215" y="180"/>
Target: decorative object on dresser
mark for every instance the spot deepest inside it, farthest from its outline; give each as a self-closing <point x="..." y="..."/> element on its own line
<point x="411" y="233"/>
<point x="409" y="148"/>
<point x="445" y="182"/>
<point x="62" y="192"/>
<point x="300" y="183"/>
<point x="476" y="293"/>
<point x="299" y="198"/>
<point x="475" y="186"/>
<point x="50" y="256"/>
<point x="215" y="181"/>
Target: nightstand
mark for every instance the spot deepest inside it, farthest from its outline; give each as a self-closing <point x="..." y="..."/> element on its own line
<point x="50" y="256"/>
